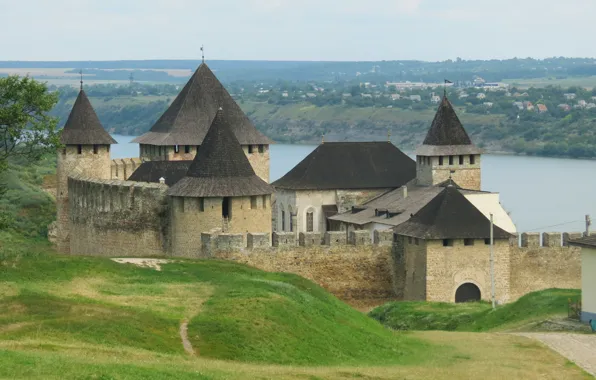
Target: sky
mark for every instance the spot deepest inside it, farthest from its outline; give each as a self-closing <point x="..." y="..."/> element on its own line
<point x="305" y="30"/>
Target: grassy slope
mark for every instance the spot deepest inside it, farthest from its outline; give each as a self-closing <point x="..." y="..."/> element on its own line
<point x="90" y="318"/>
<point x="474" y="316"/>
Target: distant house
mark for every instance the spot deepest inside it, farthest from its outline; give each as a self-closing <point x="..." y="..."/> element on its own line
<point x="589" y="106"/>
<point x="582" y="103"/>
<point x="541" y="108"/>
<point x="565" y="107"/>
<point x="435" y="99"/>
<point x="395" y="97"/>
<point x="569" y="96"/>
<point x="311" y="95"/>
<point x="346" y="95"/>
<point x="525" y="94"/>
<point x="507" y="93"/>
<point x="528" y="106"/>
<point x="463" y="95"/>
<point x="284" y="94"/>
<point x="588" y="275"/>
<point x="488" y="104"/>
<point x="481" y="95"/>
<point x="517" y="94"/>
<point x="415" y="98"/>
<point x="519" y="105"/>
<point x="478" y="81"/>
<point x="366" y="95"/>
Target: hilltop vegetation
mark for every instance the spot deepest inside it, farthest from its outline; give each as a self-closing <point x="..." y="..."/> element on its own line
<point x="477" y="316"/>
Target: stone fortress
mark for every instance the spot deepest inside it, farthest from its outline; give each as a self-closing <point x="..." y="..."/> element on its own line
<point x="362" y="220"/>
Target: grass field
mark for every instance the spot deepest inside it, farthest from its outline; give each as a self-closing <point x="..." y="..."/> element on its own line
<point x="479" y="316"/>
<point x="586" y="82"/>
<point x="92" y="318"/>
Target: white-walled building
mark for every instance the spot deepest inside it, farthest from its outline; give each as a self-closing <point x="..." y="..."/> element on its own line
<point x="588" y="246"/>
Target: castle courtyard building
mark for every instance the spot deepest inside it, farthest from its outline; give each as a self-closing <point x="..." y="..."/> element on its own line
<point x="588" y="264"/>
<point x="86" y="152"/>
<point x="335" y="177"/>
<point x="220" y="192"/>
<point x="178" y="133"/>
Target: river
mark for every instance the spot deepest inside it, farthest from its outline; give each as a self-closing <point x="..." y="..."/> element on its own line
<point x="541" y="194"/>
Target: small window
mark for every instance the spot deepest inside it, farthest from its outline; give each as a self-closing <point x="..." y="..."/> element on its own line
<point x="176" y="149"/>
<point x="95" y="148"/>
<point x="447" y="242"/>
<point x="416" y="241"/>
<point x="487" y="241"/>
<point x="468" y="242"/>
<point x="472" y="159"/>
<point x="291" y="223"/>
<point x="283" y="220"/>
<point x="160" y="151"/>
<point x="186" y="149"/>
<point x="461" y="160"/>
<point x="250" y="149"/>
<point x="79" y="149"/>
<point x="253" y="202"/>
<point x="429" y="161"/>
<point x="450" y="160"/>
<point x="310" y="221"/>
<point x="201" y="204"/>
<point x="261" y="148"/>
<point x="441" y="160"/>
<point x="264" y="201"/>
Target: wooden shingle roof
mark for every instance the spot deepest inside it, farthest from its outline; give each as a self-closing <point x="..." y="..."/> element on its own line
<point x="83" y="126"/>
<point x="190" y="115"/>
<point x="152" y="171"/>
<point x="449" y="216"/>
<point x="220" y="168"/>
<point x="350" y="165"/>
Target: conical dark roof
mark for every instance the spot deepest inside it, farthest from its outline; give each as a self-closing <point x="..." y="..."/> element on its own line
<point x="351" y="165"/>
<point x="83" y="126"/>
<point x="189" y="117"/>
<point x="449" y="216"/>
<point x="220" y="168"/>
<point x="446" y="129"/>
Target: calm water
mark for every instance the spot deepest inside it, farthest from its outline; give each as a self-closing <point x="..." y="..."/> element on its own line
<point x="540" y="193"/>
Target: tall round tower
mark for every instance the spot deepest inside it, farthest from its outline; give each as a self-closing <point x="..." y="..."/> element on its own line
<point x="86" y="151"/>
<point x="447" y="152"/>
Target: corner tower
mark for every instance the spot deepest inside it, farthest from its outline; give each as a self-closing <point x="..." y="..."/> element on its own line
<point x="220" y="191"/>
<point x="180" y="131"/>
<point x="447" y="152"/>
<point x="86" y="151"/>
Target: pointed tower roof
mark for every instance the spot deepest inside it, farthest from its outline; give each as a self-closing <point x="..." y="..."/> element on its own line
<point x="190" y="115"/>
<point x="447" y="135"/>
<point x="220" y="168"/>
<point x="83" y="126"/>
<point x="449" y="215"/>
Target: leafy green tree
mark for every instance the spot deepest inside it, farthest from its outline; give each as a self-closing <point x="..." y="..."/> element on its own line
<point x="26" y="129"/>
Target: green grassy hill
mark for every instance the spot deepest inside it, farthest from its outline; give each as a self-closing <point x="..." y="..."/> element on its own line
<point x="477" y="316"/>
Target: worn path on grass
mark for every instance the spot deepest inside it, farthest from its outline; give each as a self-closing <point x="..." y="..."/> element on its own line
<point x="579" y="348"/>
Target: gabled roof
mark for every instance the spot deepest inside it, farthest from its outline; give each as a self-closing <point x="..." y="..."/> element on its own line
<point x="350" y="165"/>
<point x="190" y="115"/>
<point x="584" y="241"/>
<point x="446" y="134"/>
<point x="220" y="168"/>
<point x="83" y="126"/>
<point x="152" y="171"/>
<point x="449" y="216"/>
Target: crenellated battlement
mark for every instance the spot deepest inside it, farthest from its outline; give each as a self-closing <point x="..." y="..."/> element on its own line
<point x="122" y="168"/>
<point x="544" y="239"/>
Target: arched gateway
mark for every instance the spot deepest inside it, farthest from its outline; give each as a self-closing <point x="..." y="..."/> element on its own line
<point x="467" y="292"/>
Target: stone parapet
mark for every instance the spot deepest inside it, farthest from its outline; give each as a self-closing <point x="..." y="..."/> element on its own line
<point x="284" y="239"/>
<point x="333" y="238"/>
<point x="570" y="236"/>
<point x="551" y="239"/>
<point x="229" y="242"/>
<point x="254" y="241"/>
<point x="361" y="237"/>
<point x="383" y="237"/>
<point x="309" y="239"/>
<point x="530" y="239"/>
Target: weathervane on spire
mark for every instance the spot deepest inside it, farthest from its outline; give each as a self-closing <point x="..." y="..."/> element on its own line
<point x="389" y="135"/>
<point x="203" y="53"/>
<point x="445" y="87"/>
<point x="81" y="72"/>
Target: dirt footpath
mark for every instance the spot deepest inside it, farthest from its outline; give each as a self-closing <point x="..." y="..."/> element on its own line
<point x="578" y="348"/>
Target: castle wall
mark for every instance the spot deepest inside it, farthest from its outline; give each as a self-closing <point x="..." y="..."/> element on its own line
<point x="414" y="268"/>
<point x="69" y="161"/>
<point x="588" y="284"/>
<point x="258" y="157"/>
<point x="117" y="218"/>
<point x="122" y="168"/>
<point x="467" y="175"/>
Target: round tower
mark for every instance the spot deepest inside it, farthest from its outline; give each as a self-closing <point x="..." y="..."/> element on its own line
<point x="448" y="153"/>
<point x="219" y="192"/>
<point x="85" y="151"/>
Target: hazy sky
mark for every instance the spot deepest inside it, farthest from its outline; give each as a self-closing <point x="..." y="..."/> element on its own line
<point x="295" y="29"/>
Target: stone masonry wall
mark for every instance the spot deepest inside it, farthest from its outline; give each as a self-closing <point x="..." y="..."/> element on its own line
<point x="122" y="168"/>
<point x="117" y="218"/>
<point x="468" y="175"/>
<point x="69" y="161"/>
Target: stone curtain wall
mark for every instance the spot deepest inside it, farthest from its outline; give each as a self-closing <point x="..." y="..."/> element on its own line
<point x="550" y="264"/>
<point x="122" y="168"/>
<point x="117" y="218"/>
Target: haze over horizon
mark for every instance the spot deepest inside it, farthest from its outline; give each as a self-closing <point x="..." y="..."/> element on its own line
<point x="285" y="30"/>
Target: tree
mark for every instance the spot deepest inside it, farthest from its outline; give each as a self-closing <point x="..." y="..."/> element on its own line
<point x="26" y="129"/>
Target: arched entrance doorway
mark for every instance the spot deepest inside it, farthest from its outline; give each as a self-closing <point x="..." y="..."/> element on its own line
<point x="467" y="292"/>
